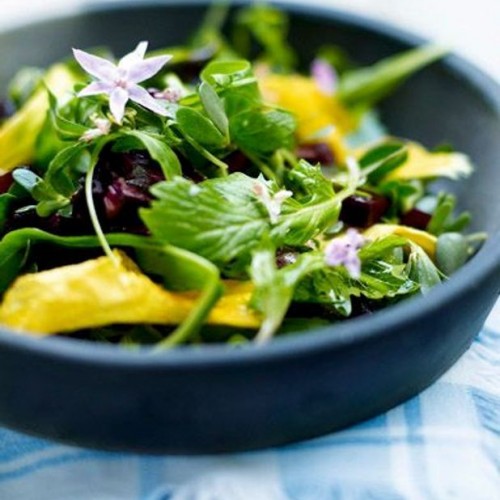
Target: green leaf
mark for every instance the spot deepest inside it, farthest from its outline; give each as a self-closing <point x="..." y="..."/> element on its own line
<point x="199" y="128"/>
<point x="65" y="128"/>
<point x="67" y="167"/>
<point x="269" y="27"/>
<point x="235" y="83"/>
<point x="366" y="86"/>
<point x="159" y="151"/>
<point x="223" y="220"/>
<point x="215" y="108"/>
<point x="452" y="252"/>
<point x="379" y="248"/>
<point x="219" y="219"/>
<point x="182" y="270"/>
<point x="422" y="270"/>
<point x="327" y="286"/>
<point x="49" y="201"/>
<point x="6" y="201"/>
<point x="314" y="207"/>
<point x="403" y="195"/>
<point x="262" y="133"/>
<point x="442" y="219"/>
<point x="382" y="159"/>
<point x="383" y="277"/>
<point x="380" y="279"/>
<point x="226" y="73"/>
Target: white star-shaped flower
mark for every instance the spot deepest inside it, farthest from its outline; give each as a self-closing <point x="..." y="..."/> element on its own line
<point x="120" y="81"/>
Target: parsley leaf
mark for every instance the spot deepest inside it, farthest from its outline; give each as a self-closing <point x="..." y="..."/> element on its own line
<point x="224" y="221"/>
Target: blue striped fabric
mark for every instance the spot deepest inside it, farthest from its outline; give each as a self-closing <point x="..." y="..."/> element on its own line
<point x="443" y="444"/>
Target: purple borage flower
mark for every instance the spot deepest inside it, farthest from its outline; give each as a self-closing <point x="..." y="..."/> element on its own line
<point x="120" y="82"/>
<point x="343" y="251"/>
<point x="324" y="75"/>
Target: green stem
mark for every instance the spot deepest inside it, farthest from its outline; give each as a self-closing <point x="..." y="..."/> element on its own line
<point x="93" y="215"/>
<point x="192" y="266"/>
<point x="223" y="168"/>
<point x="268" y="172"/>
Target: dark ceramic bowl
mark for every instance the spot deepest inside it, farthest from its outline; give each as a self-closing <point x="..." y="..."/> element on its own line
<point x="217" y="398"/>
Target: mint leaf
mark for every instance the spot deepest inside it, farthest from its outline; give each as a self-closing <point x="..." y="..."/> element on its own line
<point x="261" y="133"/>
<point x="220" y="219"/>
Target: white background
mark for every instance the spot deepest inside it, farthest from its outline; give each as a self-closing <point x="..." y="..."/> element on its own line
<point x="471" y="27"/>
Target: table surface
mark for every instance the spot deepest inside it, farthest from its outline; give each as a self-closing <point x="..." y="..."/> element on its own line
<point x="444" y="443"/>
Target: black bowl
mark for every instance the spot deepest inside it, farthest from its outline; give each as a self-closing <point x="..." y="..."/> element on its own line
<point x="219" y="398"/>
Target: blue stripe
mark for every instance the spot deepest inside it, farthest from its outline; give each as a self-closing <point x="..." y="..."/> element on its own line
<point x="15" y="445"/>
<point x="356" y="441"/>
<point x="150" y="477"/>
<point x="65" y="458"/>
<point x="414" y="423"/>
<point x="488" y="411"/>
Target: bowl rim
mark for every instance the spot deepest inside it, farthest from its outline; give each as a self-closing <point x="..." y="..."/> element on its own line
<point x="336" y="336"/>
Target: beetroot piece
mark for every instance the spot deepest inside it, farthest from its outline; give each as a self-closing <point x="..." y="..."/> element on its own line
<point x="416" y="218"/>
<point x="5" y="182"/>
<point x="316" y="153"/>
<point x="121" y="186"/>
<point x="237" y="162"/>
<point x="363" y="211"/>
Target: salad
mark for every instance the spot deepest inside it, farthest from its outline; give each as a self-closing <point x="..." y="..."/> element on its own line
<point x="205" y="193"/>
